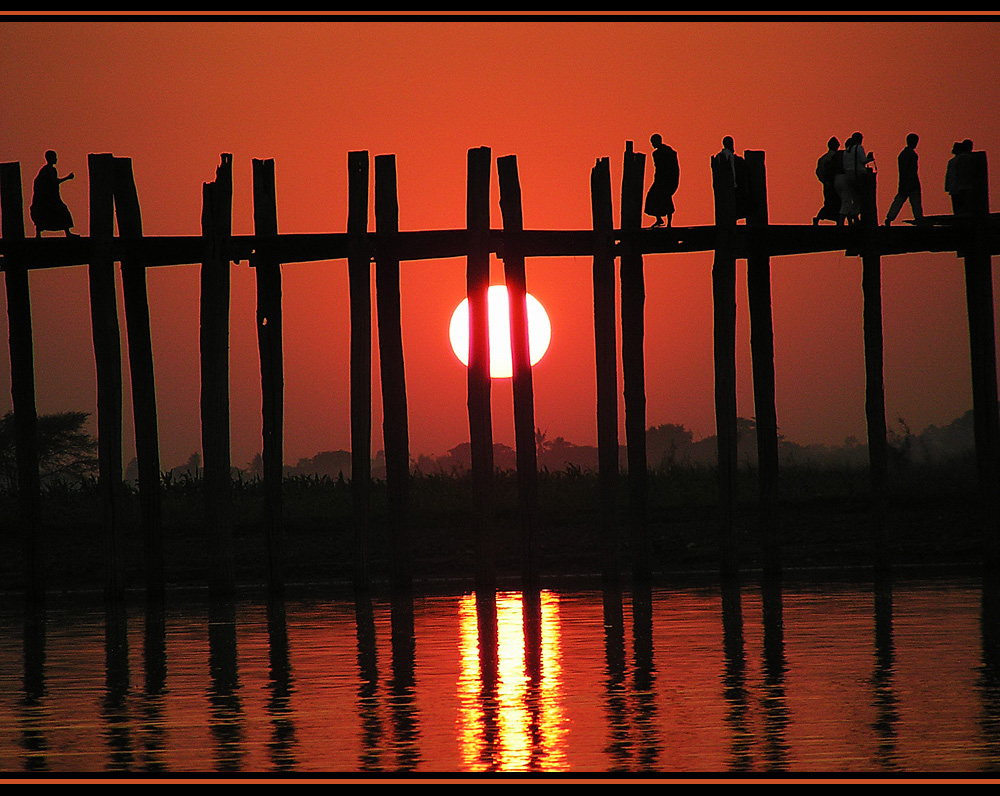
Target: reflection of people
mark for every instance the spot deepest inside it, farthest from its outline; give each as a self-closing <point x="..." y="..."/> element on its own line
<point x="909" y="182"/>
<point x="958" y="178"/>
<point x="48" y="211"/>
<point x="828" y="166"/>
<point x="666" y="176"/>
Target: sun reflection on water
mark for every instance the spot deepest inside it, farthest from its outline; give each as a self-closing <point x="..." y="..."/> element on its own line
<point x="513" y="721"/>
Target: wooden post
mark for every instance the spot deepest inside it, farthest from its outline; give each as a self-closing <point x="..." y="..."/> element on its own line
<point x="359" y="278"/>
<point x="22" y="384"/>
<point x="607" y="370"/>
<point x="107" y="353"/>
<point x="265" y="218"/>
<point x="633" y="366"/>
<point x="762" y="354"/>
<point x="140" y="355"/>
<point x="982" y="348"/>
<point x="724" y="300"/>
<point x="524" y="401"/>
<point x="878" y="455"/>
<point x="480" y="420"/>
<point x="216" y="228"/>
<point x="395" y="428"/>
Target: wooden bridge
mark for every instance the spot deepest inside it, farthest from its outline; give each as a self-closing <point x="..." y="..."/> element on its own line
<point x="975" y="238"/>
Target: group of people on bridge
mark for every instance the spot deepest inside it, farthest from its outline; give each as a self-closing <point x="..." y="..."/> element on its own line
<point x="844" y="174"/>
<point x="666" y="177"/>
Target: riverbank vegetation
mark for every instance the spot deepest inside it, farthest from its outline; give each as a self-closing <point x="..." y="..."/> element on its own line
<point x="824" y="515"/>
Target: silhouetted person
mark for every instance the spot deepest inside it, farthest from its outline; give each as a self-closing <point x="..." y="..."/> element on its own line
<point x="958" y="179"/>
<point x="48" y="211"/>
<point x="828" y="166"/>
<point x="738" y="167"/>
<point x="909" y="182"/>
<point x="727" y="155"/>
<point x="666" y="176"/>
<point x="856" y="174"/>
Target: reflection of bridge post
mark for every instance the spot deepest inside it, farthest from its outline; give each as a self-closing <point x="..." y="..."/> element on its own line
<point x="268" y="268"/>
<point x="887" y="717"/>
<point x="280" y="676"/>
<point x="115" y="706"/>
<point x="776" y="714"/>
<point x="216" y="228"/>
<point x="403" y="704"/>
<point x="734" y="678"/>
<point x="154" y="727"/>
<point x="371" y="726"/>
<point x="22" y="382"/>
<point x="618" y="748"/>
<point x="224" y="687"/>
<point x="34" y="714"/>
<point x="989" y="671"/>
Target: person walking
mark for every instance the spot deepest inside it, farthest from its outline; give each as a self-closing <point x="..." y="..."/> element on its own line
<point x="828" y="166"/>
<point x="909" y="183"/>
<point x="48" y="211"/>
<point x="666" y="177"/>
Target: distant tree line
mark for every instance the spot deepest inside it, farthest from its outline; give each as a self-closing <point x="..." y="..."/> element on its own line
<point x="68" y="454"/>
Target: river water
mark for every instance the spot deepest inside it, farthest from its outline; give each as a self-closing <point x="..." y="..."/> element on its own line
<point x="830" y="678"/>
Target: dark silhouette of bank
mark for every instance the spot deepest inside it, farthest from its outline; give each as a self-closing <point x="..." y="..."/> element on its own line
<point x="959" y="178"/>
<point x="909" y="183"/>
<point x="829" y="165"/>
<point x="666" y="177"/>
<point x="48" y="211"/>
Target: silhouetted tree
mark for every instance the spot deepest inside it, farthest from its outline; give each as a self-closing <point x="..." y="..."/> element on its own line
<point x="66" y="452"/>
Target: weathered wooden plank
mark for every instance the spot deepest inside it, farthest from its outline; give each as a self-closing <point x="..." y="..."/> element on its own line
<point x="22" y="385"/>
<point x="878" y="446"/>
<point x="633" y="365"/>
<point x="107" y="354"/>
<point x="606" y="371"/>
<point x="480" y="421"/>
<point x="982" y="349"/>
<point x="780" y="240"/>
<point x="140" y="355"/>
<point x="216" y="225"/>
<point x="395" y="425"/>
<point x="762" y="355"/>
<point x="271" y="370"/>
<point x="524" y="399"/>
<point x="724" y="326"/>
<point x="359" y="288"/>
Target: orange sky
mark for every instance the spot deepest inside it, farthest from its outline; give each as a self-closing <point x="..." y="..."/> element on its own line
<point x="174" y="95"/>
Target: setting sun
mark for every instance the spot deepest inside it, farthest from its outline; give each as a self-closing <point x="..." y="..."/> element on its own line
<point x="539" y="332"/>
